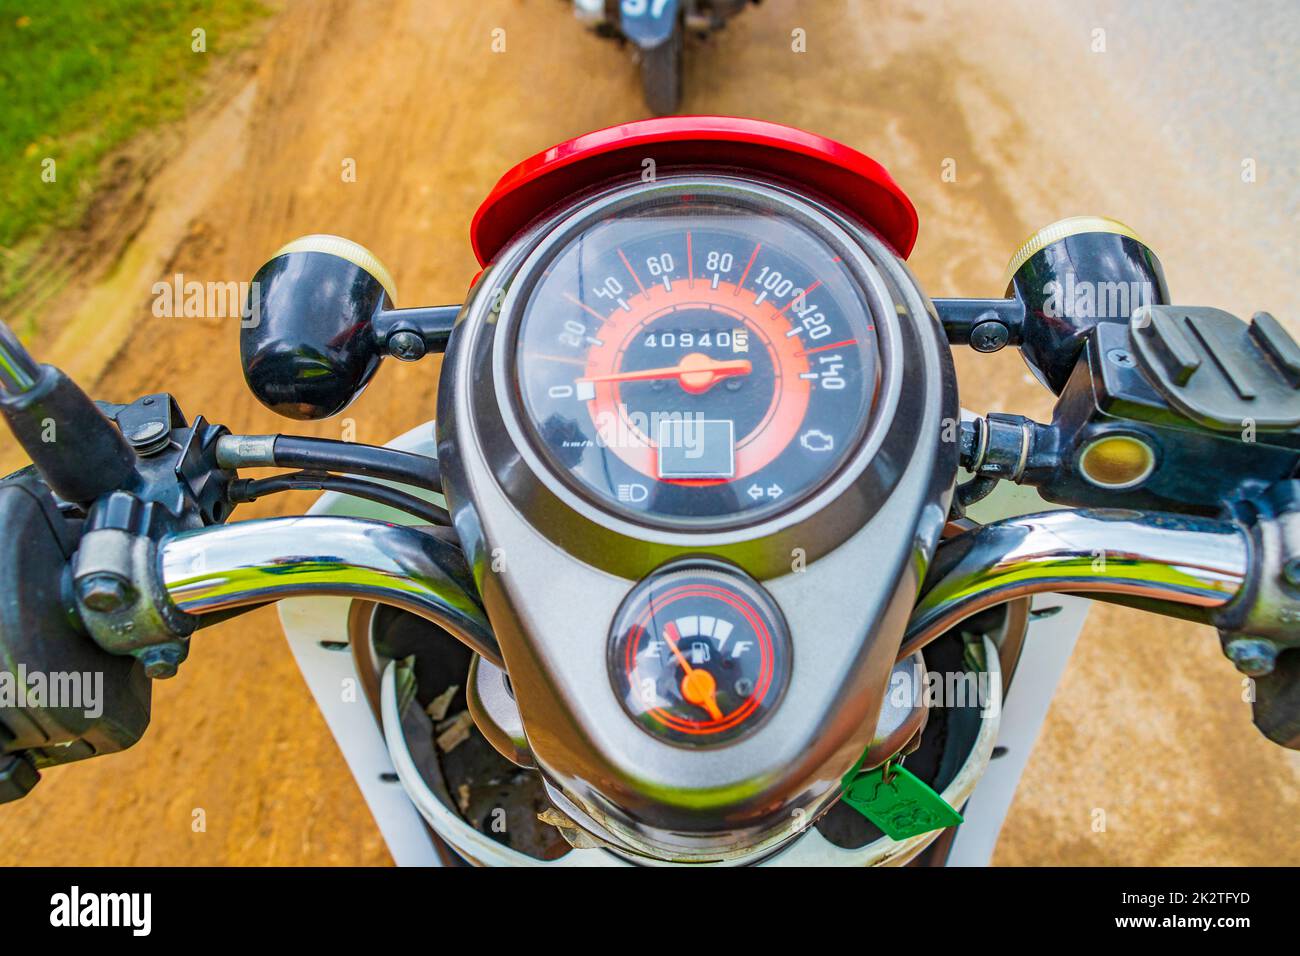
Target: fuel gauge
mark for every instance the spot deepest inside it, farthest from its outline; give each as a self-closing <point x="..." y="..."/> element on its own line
<point x="699" y="655"/>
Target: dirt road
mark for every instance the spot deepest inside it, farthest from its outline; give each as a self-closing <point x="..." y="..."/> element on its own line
<point x="1148" y="725"/>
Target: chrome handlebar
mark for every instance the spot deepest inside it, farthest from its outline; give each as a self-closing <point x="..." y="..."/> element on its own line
<point x="1160" y="557"/>
<point x="1163" y="558"/>
<point x="258" y="562"/>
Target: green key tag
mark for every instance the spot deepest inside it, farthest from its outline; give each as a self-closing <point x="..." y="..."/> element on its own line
<point x="902" y="806"/>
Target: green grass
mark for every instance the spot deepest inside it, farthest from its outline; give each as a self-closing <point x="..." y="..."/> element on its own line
<point x="79" y="78"/>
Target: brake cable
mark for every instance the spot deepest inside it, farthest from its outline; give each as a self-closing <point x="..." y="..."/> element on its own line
<point x="244" y="490"/>
<point x="325" y="454"/>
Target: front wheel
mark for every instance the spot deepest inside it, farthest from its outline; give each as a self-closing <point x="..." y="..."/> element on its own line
<point x="661" y="74"/>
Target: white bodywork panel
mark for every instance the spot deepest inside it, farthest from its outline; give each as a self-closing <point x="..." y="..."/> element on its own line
<point x="1047" y="650"/>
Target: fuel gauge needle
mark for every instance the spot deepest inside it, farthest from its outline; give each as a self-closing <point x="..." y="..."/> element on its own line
<point x="698" y="686"/>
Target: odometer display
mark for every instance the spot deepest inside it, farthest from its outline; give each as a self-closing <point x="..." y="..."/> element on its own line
<point x="697" y="360"/>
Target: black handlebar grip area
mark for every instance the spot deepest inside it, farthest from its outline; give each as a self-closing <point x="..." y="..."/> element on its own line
<point x="1072" y="276"/>
<point x="307" y="343"/>
<point x="78" y="451"/>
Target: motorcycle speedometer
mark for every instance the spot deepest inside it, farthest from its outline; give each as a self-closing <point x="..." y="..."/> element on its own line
<point x="699" y="356"/>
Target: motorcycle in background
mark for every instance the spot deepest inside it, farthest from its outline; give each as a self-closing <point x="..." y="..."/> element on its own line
<point x="657" y="29"/>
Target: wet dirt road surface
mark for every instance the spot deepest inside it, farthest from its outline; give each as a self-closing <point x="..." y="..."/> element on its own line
<point x="1148" y="724"/>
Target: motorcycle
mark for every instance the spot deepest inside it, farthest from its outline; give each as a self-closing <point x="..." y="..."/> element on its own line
<point x="657" y="28"/>
<point x="701" y="550"/>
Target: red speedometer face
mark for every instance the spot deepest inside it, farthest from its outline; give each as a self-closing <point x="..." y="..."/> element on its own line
<point x="697" y="360"/>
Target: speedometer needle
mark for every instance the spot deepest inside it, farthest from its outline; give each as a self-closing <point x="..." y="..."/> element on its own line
<point x="695" y="373"/>
<point x="698" y="686"/>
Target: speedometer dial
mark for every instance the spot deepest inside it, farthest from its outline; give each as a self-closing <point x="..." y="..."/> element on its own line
<point x="700" y="358"/>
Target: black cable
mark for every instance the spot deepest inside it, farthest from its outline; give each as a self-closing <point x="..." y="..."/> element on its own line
<point x="976" y="489"/>
<point x="372" y="461"/>
<point x="249" y="489"/>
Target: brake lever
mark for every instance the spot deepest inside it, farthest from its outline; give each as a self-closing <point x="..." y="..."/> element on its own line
<point x="77" y="450"/>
